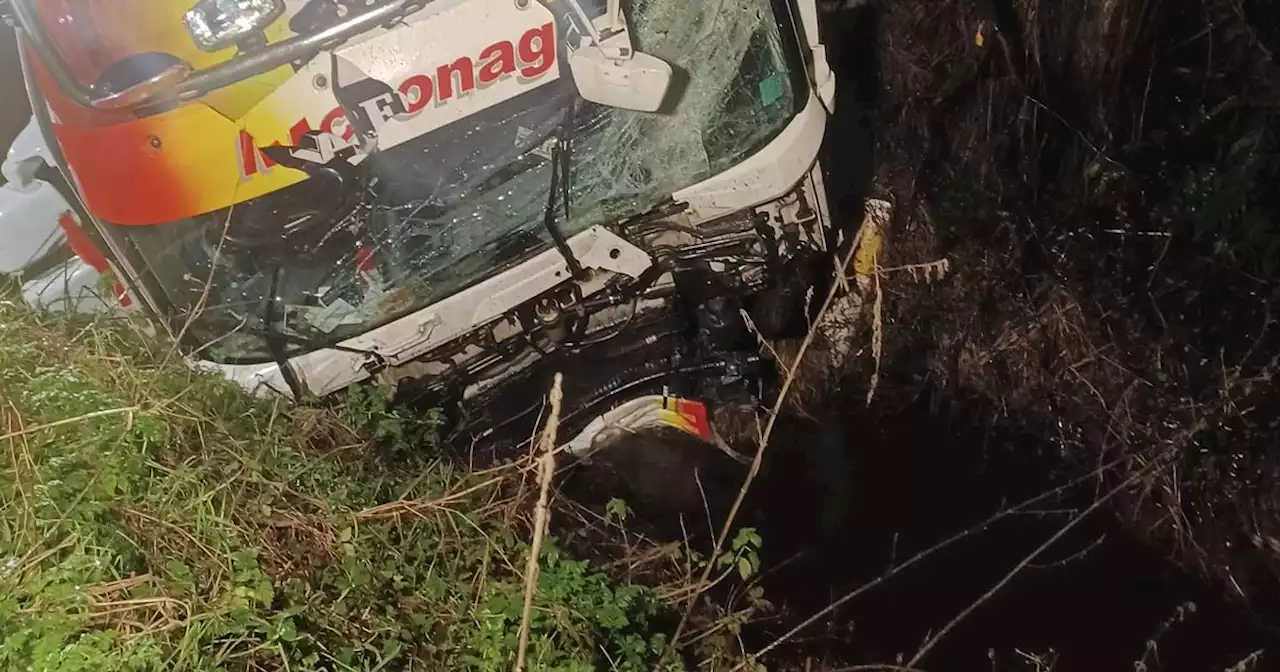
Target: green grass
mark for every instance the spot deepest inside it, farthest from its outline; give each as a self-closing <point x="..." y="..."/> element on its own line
<point x="153" y="518"/>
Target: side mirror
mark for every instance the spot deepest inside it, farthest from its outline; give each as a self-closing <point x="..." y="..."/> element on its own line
<point x="139" y="79"/>
<point x="639" y="82"/>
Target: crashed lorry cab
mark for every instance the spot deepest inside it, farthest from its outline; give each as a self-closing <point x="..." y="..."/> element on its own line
<point x="458" y="196"/>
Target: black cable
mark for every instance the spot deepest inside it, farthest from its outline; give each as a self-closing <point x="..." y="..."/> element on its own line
<point x="638" y="288"/>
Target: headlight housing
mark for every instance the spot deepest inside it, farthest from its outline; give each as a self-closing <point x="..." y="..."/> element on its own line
<point x="217" y="24"/>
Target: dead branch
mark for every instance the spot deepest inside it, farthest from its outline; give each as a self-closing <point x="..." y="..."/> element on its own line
<point x="203" y="299"/>
<point x="410" y="506"/>
<point x="764" y="441"/>
<point x="1248" y="664"/>
<point x="877" y="668"/>
<point x="1017" y="569"/>
<point x="548" y="469"/>
<point x="126" y="410"/>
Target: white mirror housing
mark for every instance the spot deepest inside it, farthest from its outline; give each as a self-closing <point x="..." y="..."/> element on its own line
<point x="638" y="83"/>
<point x="609" y="71"/>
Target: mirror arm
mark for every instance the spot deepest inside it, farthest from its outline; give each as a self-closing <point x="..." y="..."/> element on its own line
<point x="616" y="53"/>
<point x="614" y="7"/>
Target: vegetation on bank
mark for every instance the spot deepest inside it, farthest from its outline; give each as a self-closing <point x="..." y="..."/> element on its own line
<point x="1099" y="177"/>
<point x="152" y="517"/>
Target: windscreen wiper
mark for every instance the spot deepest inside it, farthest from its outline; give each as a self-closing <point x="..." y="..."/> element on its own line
<point x="277" y="340"/>
<point x="560" y="172"/>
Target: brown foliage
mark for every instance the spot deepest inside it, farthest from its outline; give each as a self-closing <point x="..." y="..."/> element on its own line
<point x="1050" y="151"/>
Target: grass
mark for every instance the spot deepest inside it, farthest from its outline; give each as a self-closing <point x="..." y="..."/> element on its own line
<point x="152" y="517"/>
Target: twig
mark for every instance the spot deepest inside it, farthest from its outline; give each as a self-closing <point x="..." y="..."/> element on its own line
<point x="23" y="463"/>
<point x="760" y="339"/>
<point x="877" y="668"/>
<point x="130" y="410"/>
<point x="203" y="299"/>
<point x="1152" y="647"/>
<point x="706" y="506"/>
<point x="1249" y="663"/>
<point x="1074" y="556"/>
<point x="181" y="532"/>
<point x="548" y="469"/>
<point x="877" y="332"/>
<point x="694" y="590"/>
<point x="764" y="440"/>
<point x="1078" y="133"/>
<point x="1017" y="569"/>
<point x="32" y="559"/>
<point x="392" y="509"/>
<point x="922" y="555"/>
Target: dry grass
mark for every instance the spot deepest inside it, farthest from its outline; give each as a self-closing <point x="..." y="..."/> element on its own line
<point x="1089" y="299"/>
<point x="195" y="527"/>
<point x="546" y="471"/>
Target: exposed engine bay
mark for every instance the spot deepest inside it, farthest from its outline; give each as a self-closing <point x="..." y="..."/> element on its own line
<point x="690" y="325"/>
<point x="390" y="220"/>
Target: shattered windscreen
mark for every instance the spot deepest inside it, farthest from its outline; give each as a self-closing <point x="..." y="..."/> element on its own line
<point x="433" y="216"/>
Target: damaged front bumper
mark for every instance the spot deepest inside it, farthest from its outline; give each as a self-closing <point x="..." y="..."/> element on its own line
<point x="706" y="358"/>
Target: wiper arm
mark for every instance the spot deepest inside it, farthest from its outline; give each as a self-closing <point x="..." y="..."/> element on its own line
<point x="277" y="340"/>
<point x="560" y="153"/>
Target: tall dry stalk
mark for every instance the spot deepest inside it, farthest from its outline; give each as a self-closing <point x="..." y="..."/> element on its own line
<point x="873" y="217"/>
<point x="547" y="468"/>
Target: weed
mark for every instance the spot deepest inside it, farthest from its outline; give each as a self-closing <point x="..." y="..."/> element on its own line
<point x="153" y="517"/>
<point x="616" y="511"/>
<point x="370" y="411"/>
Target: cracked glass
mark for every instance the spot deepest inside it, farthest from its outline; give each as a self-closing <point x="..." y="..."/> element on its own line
<point x="438" y="214"/>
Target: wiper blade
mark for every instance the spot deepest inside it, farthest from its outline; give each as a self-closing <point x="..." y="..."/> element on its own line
<point x="560" y="173"/>
<point x="275" y="342"/>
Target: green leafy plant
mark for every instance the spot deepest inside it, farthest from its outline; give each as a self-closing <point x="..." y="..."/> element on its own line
<point x="371" y="411"/>
<point x="616" y="511"/>
<point x="744" y="554"/>
<point x="156" y="518"/>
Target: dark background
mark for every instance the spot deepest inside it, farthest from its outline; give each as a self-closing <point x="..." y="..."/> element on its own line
<point x="15" y="111"/>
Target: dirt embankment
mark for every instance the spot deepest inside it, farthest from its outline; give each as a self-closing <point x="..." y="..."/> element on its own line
<point x="1100" y="177"/>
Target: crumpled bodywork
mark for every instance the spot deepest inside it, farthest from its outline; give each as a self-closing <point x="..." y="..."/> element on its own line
<point x="442" y="204"/>
<point x="426" y="152"/>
